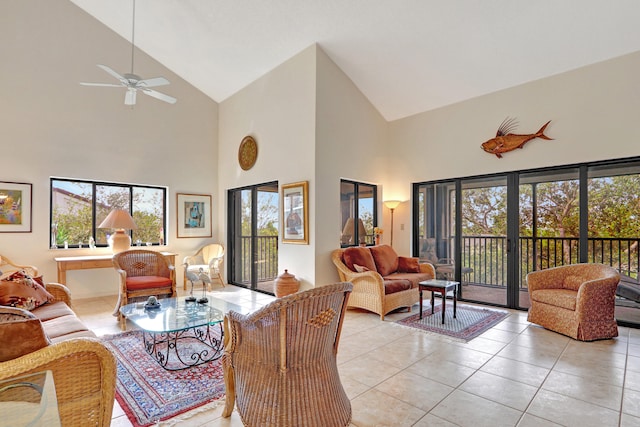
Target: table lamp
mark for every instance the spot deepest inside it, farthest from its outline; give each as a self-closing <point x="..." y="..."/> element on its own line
<point x="120" y="220"/>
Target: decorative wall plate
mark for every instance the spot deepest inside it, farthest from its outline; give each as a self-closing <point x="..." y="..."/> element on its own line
<point x="247" y="153"/>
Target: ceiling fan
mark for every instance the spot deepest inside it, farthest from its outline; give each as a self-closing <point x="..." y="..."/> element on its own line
<point x="132" y="82"/>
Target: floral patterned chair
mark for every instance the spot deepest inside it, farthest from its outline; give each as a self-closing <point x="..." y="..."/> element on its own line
<point x="576" y="300"/>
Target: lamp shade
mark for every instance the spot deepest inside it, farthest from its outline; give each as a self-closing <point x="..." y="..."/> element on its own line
<point x="392" y="204"/>
<point x="120" y="220"/>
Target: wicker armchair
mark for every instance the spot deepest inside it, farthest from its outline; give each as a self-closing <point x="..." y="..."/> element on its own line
<point x="369" y="288"/>
<point x="84" y="374"/>
<point x="280" y="362"/>
<point x="209" y="259"/>
<point x="6" y="265"/>
<point x="143" y="273"/>
<point x="576" y="300"/>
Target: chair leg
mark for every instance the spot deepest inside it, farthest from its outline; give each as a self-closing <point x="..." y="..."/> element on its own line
<point x="116" y="311"/>
<point x="219" y="278"/>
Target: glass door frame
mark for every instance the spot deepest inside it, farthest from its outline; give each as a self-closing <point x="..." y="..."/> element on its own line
<point x="234" y="222"/>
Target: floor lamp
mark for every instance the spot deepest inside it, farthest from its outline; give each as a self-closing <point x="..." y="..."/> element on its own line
<point x="392" y="204"/>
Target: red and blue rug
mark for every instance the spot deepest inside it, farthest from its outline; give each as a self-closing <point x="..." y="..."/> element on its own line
<point x="148" y="393"/>
<point x="470" y="321"/>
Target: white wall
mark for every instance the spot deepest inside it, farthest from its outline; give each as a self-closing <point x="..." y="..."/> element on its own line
<point x="310" y="121"/>
<point x="52" y="126"/>
<point x="593" y="112"/>
<point x="278" y="111"/>
<point x="351" y="138"/>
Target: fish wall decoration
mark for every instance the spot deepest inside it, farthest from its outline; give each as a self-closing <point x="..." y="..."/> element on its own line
<point x="506" y="141"/>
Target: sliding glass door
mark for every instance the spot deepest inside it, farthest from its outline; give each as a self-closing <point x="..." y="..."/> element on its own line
<point x="489" y="232"/>
<point x="253" y="236"/>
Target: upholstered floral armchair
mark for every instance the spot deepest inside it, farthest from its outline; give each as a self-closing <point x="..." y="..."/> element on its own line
<point x="576" y="300"/>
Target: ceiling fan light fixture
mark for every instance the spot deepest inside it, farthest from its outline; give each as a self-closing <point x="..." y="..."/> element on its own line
<point x="132" y="82"/>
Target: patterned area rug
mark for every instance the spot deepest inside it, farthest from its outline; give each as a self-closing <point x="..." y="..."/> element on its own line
<point x="470" y="321"/>
<point x="148" y="393"/>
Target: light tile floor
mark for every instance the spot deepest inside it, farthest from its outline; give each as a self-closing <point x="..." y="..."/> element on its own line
<point x="516" y="374"/>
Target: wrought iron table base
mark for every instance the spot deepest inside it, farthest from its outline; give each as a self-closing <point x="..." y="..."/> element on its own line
<point x="163" y="346"/>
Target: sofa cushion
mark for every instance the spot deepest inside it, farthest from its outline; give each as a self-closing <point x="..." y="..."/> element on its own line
<point x="385" y="258"/>
<point x="51" y="311"/>
<point x="147" y="282"/>
<point x="360" y="256"/>
<point x="20" y="290"/>
<point x="392" y="286"/>
<point x="563" y="298"/>
<point x="63" y="326"/>
<point x="20" y="333"/>
<point x="78" y="334"/>
<point x="414" y="278"/>
<point x="408" y="265"/>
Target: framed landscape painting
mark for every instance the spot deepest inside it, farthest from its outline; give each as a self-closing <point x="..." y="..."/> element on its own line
<point x="15" y="207"/>
<point x="295" y="213"/>
<point x="194" y="215"/>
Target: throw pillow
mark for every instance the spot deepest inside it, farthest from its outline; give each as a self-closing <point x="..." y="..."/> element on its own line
<point x="360" y="256"/>
<point x="23" y="330"/>
<point x="360" y="268"/>
<point x="408" y="265"/>
<point x="20" y="290"/>
<point x="386" y="259"/>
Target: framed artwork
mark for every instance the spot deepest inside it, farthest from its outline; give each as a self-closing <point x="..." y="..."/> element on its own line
<point x="295" y="213"/>
<point x="15" y="207"/>
<point x="194" y="215"/>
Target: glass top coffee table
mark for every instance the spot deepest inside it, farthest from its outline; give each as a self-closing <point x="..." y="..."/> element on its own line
<point x="180" y="334"/>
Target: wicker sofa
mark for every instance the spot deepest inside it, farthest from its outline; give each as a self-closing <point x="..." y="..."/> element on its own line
<point x="51" y="337"/>
<point x="576" y="300"/>
<point x="382" y="280"/>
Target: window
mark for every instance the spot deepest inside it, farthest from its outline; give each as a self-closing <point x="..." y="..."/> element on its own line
<point x="78" y="207"/>
<point x="358" y="201"/>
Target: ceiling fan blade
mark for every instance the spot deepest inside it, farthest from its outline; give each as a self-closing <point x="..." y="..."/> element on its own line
<point x="160" y="96"/>
<point x="130" y="97"/>
<point x="157" y="81"/>
<point x="100" y="84"/>
<point x="114" y="74"/>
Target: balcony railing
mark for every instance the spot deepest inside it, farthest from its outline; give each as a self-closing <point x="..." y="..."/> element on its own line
<point x="485" y="256"/>
<point x="266" y="259"/>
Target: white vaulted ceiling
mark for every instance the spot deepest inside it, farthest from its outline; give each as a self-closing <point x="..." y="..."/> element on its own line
<point x="406" y="56"/>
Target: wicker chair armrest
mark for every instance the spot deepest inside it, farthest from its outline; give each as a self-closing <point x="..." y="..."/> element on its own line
<point x="427" y="267"/>
<point x="60" y="292"/>
<point x="214" y="262"/>
<point x="29" y="269"/>
<point x="84" y="373"/>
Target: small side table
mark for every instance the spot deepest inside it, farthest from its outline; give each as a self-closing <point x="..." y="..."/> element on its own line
<point x="443" y="287"/>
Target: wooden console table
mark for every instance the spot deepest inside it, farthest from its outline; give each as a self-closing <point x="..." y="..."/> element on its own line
<point x="87" y="262"/>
